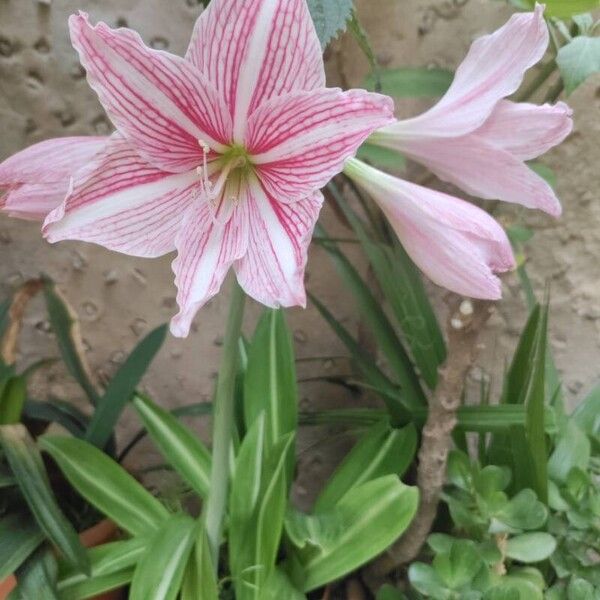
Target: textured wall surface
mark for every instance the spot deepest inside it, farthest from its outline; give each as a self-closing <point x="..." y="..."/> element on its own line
<point x="43" y="93"/>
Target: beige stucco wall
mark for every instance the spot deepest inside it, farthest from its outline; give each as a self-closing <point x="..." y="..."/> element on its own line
<point x="43" y="93"/>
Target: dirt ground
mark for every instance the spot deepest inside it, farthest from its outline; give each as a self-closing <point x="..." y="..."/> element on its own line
<point x="43" y="93"/>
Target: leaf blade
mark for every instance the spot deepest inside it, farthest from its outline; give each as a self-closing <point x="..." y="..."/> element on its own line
<point x="27" y="465"/>
<point x="105" y="484"/>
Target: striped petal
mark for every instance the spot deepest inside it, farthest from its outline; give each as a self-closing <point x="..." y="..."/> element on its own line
<point x="272" y="271"/>
<point x="254" y="50"/>
<point x="206" y="249"/>
<point x="483" y="170"/>
<point x="33" y="201"/>
<point x="300" y="141"/>
<point x="456" y="244"/>
<point x="50" y="161"/>
<point x="493" y="69"/>
<point x="527" y="130"/>
<point x="122" y="203"/>
<point x="157" y="100"/>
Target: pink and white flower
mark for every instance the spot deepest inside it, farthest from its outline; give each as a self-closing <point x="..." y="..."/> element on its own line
<point x="456" y="244"/>
<point x="36" y="180"/>
<point x="476" y="139"/>
<point x="219" y="155"/>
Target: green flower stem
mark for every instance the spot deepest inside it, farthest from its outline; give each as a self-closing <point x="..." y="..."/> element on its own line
<point x="223" y="420"/>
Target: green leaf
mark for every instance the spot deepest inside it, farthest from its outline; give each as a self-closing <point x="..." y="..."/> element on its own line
<point x="279" y="587"/>
<point x="523" y="512"/>
<point x="572" y="450"/>
<point x="531" y="547"/>
<point x="66" y="328"/>
<point x="514" y="588"/>
<point x="106" y="559"/>
<point x="412" y="82"/>
<point x="524" y="450"/>
<point x="181" y="447"/>
<point x="330" y="17"/>
<point x="568" y="8"/>
<point x="387" y="339"/>
<point x="270" y="382"/>
<point x="257" y="508"/>
<point x="19" y="537"/>
<point x="388" y="592"/>
<point x="587" y="414"/>
<point x="12" y="399"/>
<point x="425" y="580"/>
<point x="105" y="484"/>
<point x="458" y="567"/>
<point x="122" y="386"/>
<point x="547" y="174"/>
<point x="271" y="511"/>
<point x="160" y="571"/>
<point x="403" y="288"/>
<point x="95" y="586"/>
<point x="57" y="411"/>
<point x="579" y="59"/>
<point x="364" y="43"/>
<point x="380" y="451"/>
<point x="367" y="520"/>
<point x="4" y="315"/>
<point x="245" y="486"/>
<point x="37" y="577"/>
<point x="382" y="158"/>
<point x="111" y="567"/>
<point x="28" y="467"/>
<point x="200" y="573"/>
<point x="580" y="589"/>
<point x="370" y="371"/>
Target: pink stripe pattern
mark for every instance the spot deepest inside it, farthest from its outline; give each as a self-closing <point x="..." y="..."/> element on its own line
<point x="219" y="155"/>
<point x="36" y="180"/>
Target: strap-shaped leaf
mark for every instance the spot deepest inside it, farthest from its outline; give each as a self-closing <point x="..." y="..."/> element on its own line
<point x="95" y="586"/>
<point x="380" y="451"/>
<point x="368" y="367"/>
<point x="388" y="341"/>
<point x="257" y="508"/>
<point x="105" y="484"/>
<point x="270" y="517"/>
<point x="4" y="318"/>
<point x="182" y="448"/>
<point x="19" y="537"/>
<point x="37" y="577"/>
<point x="403" y="289"/>
<point x="160" y="571"/>
<point x="367" y="520"/>
<point x="105" y="560"/>
<point x="57" y="411"/>
<point x="12" y="399"/>
<point x="68" y="337"/>
<point x="270" y="382"/>
<point x="200" y="582"/>
<point x="278" y="587"/>
<point x="412" y="83"/>
<point x="122" y="386"/>
<point x="27" y="465"/>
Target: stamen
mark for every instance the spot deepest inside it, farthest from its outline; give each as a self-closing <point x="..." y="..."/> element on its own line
<point x="205" y="183"/>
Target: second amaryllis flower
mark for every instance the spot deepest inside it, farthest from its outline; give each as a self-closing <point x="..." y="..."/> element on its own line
<point x="219" y="155"/>
<point x="476" y="139"/>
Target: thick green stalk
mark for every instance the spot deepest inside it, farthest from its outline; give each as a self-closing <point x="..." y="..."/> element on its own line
<point x="223" y="422"/>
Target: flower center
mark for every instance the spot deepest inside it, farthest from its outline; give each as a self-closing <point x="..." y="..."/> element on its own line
<point x="231" y="168"/>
